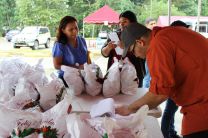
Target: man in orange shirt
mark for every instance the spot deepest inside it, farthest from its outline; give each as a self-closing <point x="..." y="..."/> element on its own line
<point x="177" y="59"/>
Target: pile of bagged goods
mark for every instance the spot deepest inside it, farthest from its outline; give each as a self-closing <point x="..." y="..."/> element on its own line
<point x="34" y="106"/>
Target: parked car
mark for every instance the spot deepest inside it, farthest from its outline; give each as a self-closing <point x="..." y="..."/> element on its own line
<point x="103" y="34"/>
<point x="32" y="36"/>
<point x="11" y="34"/>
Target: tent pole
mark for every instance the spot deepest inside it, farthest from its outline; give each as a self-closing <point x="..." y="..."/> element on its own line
<point x="169" y="11"/>
<point x="93" y="31"/>
<point x="83" y="30"/>
<point x="198" y="15"/>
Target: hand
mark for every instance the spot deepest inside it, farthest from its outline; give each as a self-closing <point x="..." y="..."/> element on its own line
<point x="123" y="110"/>
<point x="81" y="67"/>
<point x="111" y="45"/>
<point x="121" y="45"/>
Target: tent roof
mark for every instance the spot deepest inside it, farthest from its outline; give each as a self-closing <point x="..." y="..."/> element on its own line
<point x="163" y="20"/>
<point x="101" y="15"/>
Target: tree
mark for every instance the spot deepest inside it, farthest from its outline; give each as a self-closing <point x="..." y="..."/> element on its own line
<point x="187" y="6"/>
<point x="139" y="2"/>
<point x="7" y="10"/>
<point x="38" y="12"/>
<point x="14" y="13"/>
<point x="159" y="8"/>
<point x="204" y="11"/>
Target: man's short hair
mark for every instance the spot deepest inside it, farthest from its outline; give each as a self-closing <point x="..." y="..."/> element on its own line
<point x="148" y="20"/>
<point x="179" y="23"/>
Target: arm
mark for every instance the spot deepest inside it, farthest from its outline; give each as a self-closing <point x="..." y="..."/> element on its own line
<point x="57" y="62"/>
<point x="107" y="49"/>
<point x="89" y="61"/>
<point x="150" y="99"/>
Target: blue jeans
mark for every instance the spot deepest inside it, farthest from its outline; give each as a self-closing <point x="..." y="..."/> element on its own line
<point x="167" y="124"/>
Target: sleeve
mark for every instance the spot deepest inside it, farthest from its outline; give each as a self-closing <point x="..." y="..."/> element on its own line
<point x="57" y="50"/>
<point x="146" y="80"/>
<point x="160" y="60"/>
<point x="85" y="44"/>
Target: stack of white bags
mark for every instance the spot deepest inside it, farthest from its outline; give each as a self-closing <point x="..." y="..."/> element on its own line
<point x="121" y="77"/>
<point x="29" y="99"/>
<point x="84" y="80"/>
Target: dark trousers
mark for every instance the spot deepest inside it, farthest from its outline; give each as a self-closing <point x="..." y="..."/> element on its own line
<point x="203" y="134"/>
<point x="167" y="124"/>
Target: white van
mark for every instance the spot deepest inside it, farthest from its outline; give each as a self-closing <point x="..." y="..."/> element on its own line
<point x="203" y="26"/>
<point x="32" y="36"/>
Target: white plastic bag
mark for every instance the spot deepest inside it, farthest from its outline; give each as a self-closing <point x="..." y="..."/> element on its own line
<point x="36" y="75"/>
<point x="23" y="101"/>
<point x="19" y="101"/>
<point x="56" y="116"/>
<point x="98" y="124"/>
<point x="51" y="93"/>
<point x="13" y="66"/>
<point x="78" y="128"/>
<point x="23" y="86"/>
<point x="7" y="87"/>
<point x="73" y="78"/>
<point x="118" y="126"/>
<point x="14" y="69"/>
<point x="11" y="119"/>
<point x="129" y="81"/>
<point x="112" y="82"/>
<point x="11" y="69"/>
<point x="114" y="131"/>
<point x="25" y="94"/>
<point x="105" y="107"/>
<point x="5" y="91"/>
<point x="121" y="133"/>
<point x="134" y="122"/>
<point x="93" y="77"/>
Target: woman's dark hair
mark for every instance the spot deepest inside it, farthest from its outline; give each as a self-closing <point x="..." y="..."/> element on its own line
<point x="129" y="15"/>
<point x="61" y="37"/>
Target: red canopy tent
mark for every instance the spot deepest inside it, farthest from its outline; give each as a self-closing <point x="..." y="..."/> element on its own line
<point x="104" y="15"/>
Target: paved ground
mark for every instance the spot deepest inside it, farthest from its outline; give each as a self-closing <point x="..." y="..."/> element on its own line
<point x="6" y="50"/>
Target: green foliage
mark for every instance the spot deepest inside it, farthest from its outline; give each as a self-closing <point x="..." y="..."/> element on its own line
<point x="204" y="10"/>
<point x="159" y="8"/>
<point x="7" y="10"/>
<point x="20" y="13"/>
<point x="187" y="6"/>
<point x="39" y="12"/>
